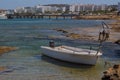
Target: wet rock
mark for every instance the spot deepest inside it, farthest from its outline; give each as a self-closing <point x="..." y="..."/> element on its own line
<point x="4" y="49"/>
<point x="73" y="35"/>
<point x="116" y="26"/>
<point x="9" y="69"/>
<point x="61" y="30"/>
<point x="2" y="68"/>
<point x="117" y="51"/>
<point x="112" y="73"/>
<point x="117" y="42"/>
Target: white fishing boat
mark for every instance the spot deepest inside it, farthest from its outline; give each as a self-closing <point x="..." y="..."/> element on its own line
<point x="76" y="55"/>
<point x="3" y="16"/>
<point x="72" y="54"/>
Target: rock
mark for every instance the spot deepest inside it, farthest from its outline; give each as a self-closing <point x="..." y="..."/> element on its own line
<point x="4" y="49"/>
<point x="94" y="17"/>
<point x="117" y="42"/>
<point x="61" y="30"/>
<point x="116" y="26"/>
<point x="112" y="73"/>
<point x="2" y="68"/>
<point x="73" y="35"/>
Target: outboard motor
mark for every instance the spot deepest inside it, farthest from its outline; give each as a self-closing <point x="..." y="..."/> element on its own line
<point x="51" y="44"/>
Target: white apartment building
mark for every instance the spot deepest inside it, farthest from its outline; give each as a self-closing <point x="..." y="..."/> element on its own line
<point x="80" y="7"/>
<point x="104" y="7"/>
<point x="64" y="9"/>
<point x="19" y="10"/>
<point x="25" y="10"/>
<point x="29" y="10"/>
<point x="87" y="7"/>
<point x="73" y="8"/>
<point x="40" y="8"/>
<point x="9" y="11"/>
<point x="45" y="9"/>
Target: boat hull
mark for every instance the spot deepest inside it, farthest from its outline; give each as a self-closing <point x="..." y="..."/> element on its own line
<point x="74" y="58"/>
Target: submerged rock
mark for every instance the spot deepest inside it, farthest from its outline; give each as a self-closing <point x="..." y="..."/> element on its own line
<point x="9" y="69"/>
<point x="73" y="35"/>
<point x="4" y="49"/>
<point x="61" y="30"/>
<point x="2" y="68"/>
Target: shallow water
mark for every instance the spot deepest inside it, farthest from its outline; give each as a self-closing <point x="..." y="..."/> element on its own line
<point x="28" y="63"/>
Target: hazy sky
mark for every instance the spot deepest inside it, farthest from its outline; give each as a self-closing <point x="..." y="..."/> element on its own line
<point x="11" y="4"/>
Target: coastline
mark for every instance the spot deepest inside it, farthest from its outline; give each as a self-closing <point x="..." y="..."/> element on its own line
<point x="91" y="33"/>
<point x="98" y="17"/>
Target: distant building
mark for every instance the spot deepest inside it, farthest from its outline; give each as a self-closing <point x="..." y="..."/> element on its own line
<point x="73" y="8"/>
<point x="119" y="6"/>
<point x="104" y="7"/>
<point x="19" y="10"/>
<point x="25" y="10"/>
<point x="54" y="9"/>
<point x="9" y="11"/>
<point x="46" y="9"/>
<point x="2" y="11"/>
<point x="64" y="9"/>
<point x="40" y="9"/>
<point x="87" y="7"/>
<point x="29" y="10"/>
<point x="50" y="9"/>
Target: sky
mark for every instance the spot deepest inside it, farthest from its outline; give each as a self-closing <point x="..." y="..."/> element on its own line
<point x="12" y="4"/>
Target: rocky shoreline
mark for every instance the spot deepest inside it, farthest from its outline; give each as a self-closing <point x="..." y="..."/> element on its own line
<point x="92" y="33"/>
<point x="97" y="17"/>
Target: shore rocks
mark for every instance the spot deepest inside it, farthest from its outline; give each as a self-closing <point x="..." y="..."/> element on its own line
<point x="94" y="17"/>
<point x="4" y="49"/>
<point x="74" y="35"/>
<point x="98" y="17"/>
<point x="117" y="42"/>
<point x="112" y="73"/>
<point x="92" y="33"/>
<point x="116" y="26"/>
<point x="61" y="30"/>
<point x="2" y="68"/>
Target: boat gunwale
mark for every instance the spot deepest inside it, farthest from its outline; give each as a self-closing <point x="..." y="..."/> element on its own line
<point x="57" y="49"/>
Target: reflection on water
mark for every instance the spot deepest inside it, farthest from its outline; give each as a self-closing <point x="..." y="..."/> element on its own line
<point x="28" y="63"/>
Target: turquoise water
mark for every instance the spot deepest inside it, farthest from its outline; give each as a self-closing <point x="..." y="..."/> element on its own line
<point x="27" y="63"/>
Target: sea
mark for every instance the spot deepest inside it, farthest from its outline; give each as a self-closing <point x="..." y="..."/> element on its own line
<point x="28" y="63"/>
